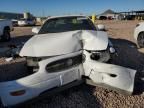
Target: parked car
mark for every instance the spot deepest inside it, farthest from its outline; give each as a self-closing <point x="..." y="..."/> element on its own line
<point x="66" y="51"/>
<point x="5" y="28"/>
<point x="139" y="34"/>
<point x="15" y="22"/>
<point x="102" y="18"/>
<point x="26" y="22"/>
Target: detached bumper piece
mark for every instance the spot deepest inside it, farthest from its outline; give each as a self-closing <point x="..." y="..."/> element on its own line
<point x="113" y="76"/>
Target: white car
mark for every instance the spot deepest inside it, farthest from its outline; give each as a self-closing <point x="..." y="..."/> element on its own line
<point x="139" y="34"/>
<point x="5" y="28"/>
<point x="14" y="22"/>
<point x="66" y="50"/>
<point x="26" y="22"/>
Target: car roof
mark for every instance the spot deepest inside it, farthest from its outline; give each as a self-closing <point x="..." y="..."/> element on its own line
<point x="63" y="16"/>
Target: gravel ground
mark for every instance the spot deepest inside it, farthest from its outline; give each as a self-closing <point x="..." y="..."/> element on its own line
<point x="84" y="96"/>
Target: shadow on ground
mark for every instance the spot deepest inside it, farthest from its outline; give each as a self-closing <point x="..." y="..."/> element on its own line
<point x="77" y="97"/>
<point x="12" y="71"/>
<point x="16" y="40"/>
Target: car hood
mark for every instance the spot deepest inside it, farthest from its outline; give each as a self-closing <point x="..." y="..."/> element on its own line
<point x="53" y="44"/>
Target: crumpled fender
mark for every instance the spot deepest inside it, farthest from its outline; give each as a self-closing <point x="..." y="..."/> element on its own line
<point x="114" y="76"/>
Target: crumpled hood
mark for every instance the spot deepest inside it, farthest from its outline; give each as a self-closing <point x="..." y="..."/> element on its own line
<point x="53" y="44"/>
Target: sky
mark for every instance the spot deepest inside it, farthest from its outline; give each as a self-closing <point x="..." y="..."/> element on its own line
<point x="61" y="7"/>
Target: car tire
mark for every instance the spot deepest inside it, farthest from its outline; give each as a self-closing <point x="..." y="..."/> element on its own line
<point x="6" y="35"/>
<point x="140" y="40"/>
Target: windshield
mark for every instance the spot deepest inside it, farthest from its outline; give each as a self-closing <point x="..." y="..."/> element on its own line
<point x="66" y="24"/>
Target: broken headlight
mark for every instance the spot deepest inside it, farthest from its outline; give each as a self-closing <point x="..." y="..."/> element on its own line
<point x="101" y="56"/>
<point x="104" y="55"/>
<point x="32" y="61"/>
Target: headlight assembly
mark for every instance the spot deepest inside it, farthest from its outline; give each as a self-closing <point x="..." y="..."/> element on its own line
<point x="102" y="56"/>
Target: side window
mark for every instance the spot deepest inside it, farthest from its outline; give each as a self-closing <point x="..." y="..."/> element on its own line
<point x="48" y="27"/>
<point x="50" y="24"/>
<point x="64" y="64"/>
<point x="59" y="22"/>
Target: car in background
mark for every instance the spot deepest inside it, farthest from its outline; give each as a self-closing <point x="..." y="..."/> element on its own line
<point x="26" y="22"/>
<point x="5" y="28"/>
<point x="14" y="22"/>
<point x="139" y="34"/>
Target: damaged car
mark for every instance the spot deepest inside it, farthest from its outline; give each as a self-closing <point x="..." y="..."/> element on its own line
<point x="62" y="35"/>
<point x="66" y="50"/>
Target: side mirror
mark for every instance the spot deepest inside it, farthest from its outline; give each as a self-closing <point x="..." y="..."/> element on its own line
<point x="101" y="27"/>
<point x="35" y="30"/>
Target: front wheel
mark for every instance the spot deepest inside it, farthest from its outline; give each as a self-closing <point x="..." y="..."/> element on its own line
<point x="140" y="40"/>
<point x="6" y="35"/>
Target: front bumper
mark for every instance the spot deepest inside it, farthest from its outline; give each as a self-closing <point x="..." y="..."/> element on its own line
<point x="26" y="88"/>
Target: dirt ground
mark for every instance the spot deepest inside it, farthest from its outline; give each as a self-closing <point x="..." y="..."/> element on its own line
<point x="84" y="96"/>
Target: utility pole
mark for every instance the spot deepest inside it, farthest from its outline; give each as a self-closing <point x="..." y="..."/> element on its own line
<point x="43" y="13"/>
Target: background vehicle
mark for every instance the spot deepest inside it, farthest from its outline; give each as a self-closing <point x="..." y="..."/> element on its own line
<point x="15" y="22"/>
<point x="139" y="34"/>
<point x="5" y="28"/>
<point x="26" y="22"/>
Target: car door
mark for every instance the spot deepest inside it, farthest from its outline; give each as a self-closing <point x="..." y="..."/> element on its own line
<point x="108" y="75"/>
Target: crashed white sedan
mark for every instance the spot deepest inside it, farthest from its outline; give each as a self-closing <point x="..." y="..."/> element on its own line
<point x="66" y="50"/>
